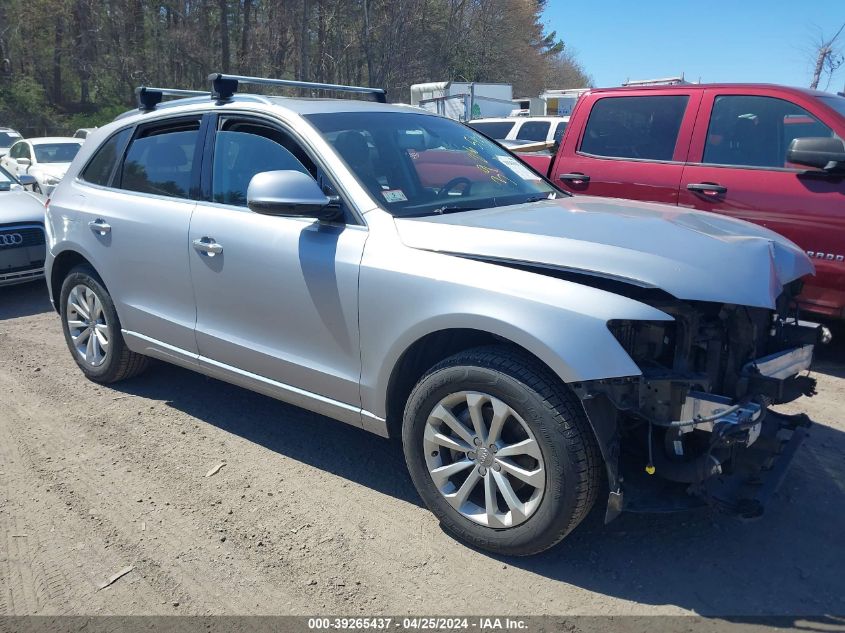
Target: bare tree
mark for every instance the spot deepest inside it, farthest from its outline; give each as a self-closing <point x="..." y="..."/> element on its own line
<point x="828" y="58"/>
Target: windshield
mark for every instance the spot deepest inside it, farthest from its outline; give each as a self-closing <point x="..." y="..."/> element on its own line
<point x="837" y="103"/>
<point x="56" y="152"/>
<point x="416" y="164"/>
<point x="7" y="139"/>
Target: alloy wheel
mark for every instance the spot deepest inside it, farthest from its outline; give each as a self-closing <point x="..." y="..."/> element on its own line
<point x="87" y="325"/>
<point x="484" y="459"/>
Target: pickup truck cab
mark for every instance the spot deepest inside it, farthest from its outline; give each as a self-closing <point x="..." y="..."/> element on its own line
<point x="767" y="154"/>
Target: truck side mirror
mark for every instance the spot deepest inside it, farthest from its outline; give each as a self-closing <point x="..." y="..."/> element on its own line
<point x="822" y="152"/>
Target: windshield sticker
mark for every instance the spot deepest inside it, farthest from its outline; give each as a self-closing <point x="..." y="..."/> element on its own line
<point x="13" y="135"/>
<point x="394" y="195"/>
<point x="518" y="168"/>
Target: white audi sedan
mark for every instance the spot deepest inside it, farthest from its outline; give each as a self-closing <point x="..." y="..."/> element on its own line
<point x="45" y="159"/>
<point x="22" y="244"/>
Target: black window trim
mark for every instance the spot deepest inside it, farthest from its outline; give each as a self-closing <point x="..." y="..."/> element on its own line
<point x="354" y="217"/>
<point x="685" y="113"/>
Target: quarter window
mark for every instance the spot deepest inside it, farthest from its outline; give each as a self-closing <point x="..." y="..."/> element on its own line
<point x="99" y="170"/>
<point x="160" y="160"/>
<point x="245" y="148"/>
<point x="635" y="127"/>
<point x="752" y="131"/>
<point x="533" y="131"/>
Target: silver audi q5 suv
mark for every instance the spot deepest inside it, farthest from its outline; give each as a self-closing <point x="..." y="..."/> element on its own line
<point x="400" y="272"/>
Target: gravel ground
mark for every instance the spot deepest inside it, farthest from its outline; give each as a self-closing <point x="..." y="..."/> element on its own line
<point x="311" y="516"/>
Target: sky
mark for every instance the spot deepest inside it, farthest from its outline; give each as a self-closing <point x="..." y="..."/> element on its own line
<point x="715" y="41"/>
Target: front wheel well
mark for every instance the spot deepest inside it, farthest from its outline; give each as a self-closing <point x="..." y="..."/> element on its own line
<point x="424" y="354"/>
<point x="62" y="265"/>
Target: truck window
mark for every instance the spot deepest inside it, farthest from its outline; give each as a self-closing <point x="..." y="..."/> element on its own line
<point x="634" y="127"/>
<point x="493" y="129"/>
<point x="753" y="131"/>
<point x="533" y="131"/>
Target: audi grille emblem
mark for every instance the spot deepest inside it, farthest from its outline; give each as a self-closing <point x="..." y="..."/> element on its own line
<point x="11" y="239"/>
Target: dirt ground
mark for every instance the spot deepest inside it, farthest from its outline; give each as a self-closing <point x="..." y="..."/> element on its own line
<point x="309" y="516"/>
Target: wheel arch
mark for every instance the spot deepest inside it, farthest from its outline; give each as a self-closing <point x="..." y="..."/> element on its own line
<point x="62" y="264"/>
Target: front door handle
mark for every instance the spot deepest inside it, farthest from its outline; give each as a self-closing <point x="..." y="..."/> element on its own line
<point x="100" y="226"/>
<point x="707" y="188"/>
<point x="575" y="178"/>
<point x="208" y="246"/>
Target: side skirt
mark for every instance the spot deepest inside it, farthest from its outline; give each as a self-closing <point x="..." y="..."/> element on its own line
<point x="340" y="411"/>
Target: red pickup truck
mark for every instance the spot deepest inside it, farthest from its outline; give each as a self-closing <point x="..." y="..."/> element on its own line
<point x="767" y="154"/>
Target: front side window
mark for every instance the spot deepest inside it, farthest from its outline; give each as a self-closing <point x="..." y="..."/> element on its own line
<point x="752" y="131"/>
<point x="644" y="128"/>
<point x="99" y="170"/>
<point x="160" y="160"/>
<point x="56" y="152"/>
<point x="533" y="131"/>
<point x="415" y="164"/>
<point x="20" y="150"/>
<point x="561" y="128"/>
<point x="243" y="148"/>
<point x="494" y="129"/>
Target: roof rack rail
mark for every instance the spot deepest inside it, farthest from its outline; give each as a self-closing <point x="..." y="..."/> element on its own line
<point x="149" y="98"/>
<point x="224" y="86"/>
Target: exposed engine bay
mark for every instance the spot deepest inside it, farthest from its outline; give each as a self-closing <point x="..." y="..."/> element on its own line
<point x="695" y="428"/>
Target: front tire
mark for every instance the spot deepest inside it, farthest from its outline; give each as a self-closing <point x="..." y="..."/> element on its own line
<point x="92" y="329"/>
<point x="501" y="451"/>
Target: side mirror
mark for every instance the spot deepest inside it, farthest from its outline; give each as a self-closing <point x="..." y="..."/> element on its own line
<point x="24" y="161"/>
<point x="291" y="193"/>
<point x="823" y="152"/>
<point x="27" y="181"/>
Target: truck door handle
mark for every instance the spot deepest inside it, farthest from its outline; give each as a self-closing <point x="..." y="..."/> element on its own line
<point x="575" y="178"/>
<point x="100" y="226"/>
<point x="208" y="246"/>
<point x="707" y="188"/>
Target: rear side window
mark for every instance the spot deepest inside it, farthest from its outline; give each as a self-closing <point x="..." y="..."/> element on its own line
<point x="753" y="131"/>
<point x="635" y="127"/>
<point x="99" y="170"/>
<point x="493" y="129"/>
<point x="160" y="160"/>
<point x="534" y="131"/>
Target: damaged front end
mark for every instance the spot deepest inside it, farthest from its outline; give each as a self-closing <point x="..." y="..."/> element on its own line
<point x="695" y="428"/>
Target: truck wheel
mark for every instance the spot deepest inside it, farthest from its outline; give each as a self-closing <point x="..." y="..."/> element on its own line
<point x="500" y="451"/>
<point x="92" y="329"/>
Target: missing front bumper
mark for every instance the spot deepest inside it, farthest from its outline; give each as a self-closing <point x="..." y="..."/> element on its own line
<point x="743" y="490"/>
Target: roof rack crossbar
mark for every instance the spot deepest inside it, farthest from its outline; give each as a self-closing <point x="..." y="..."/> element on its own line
<point x="224" y="86"/>
<point x="149" y="98"/>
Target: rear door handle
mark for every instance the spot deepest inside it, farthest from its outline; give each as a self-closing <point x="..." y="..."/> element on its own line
<point x="100" y="226"/>
<point x="208" y="246"/>
<point x="707" y="188"/>
<point x="575" y="178"/>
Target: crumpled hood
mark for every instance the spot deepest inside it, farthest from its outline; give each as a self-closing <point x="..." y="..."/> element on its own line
<point x="20" y="206"/>
<point x="692" y="255"/>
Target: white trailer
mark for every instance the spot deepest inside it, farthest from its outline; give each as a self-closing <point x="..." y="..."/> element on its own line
<point x="463" y="100"/>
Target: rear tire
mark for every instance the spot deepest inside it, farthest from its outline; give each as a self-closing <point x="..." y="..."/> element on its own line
<point x="499" y="416"/>
<point x="92" y="329"/>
